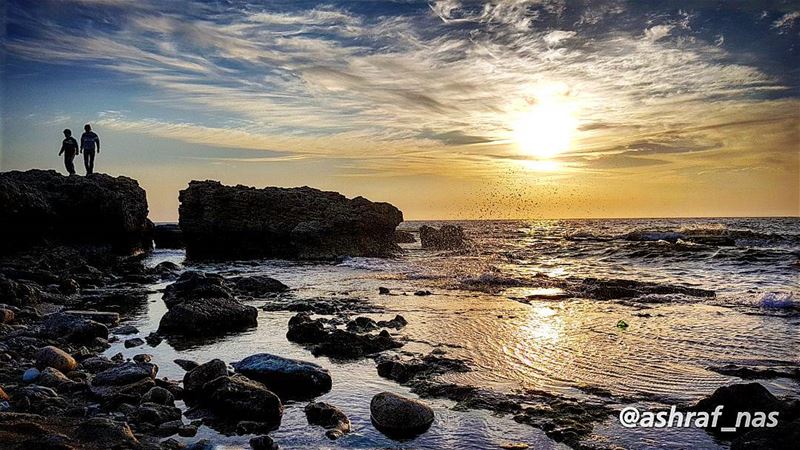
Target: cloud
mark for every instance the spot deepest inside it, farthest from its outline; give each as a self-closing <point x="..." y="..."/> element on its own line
<point x="657" y="32"/>
<point x="786" y="22"/>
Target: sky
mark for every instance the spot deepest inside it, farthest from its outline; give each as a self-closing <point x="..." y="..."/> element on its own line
<point x="447" y="109"/>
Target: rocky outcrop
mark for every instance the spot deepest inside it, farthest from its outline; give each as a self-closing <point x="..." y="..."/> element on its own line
<point x="448" y="237"/>
<point x="40" y="206"/>
<point x="337" y="343"/>
<point x="239" y="222"/>
<point x="287" y="377"/>
<point x="168" y="235"/>
<point x="240" y="397"/>
<point x="400" y="417"/>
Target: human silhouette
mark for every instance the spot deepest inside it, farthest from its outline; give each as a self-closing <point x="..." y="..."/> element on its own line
<point x="69" y="148"/>
<point x="89" y="144"/>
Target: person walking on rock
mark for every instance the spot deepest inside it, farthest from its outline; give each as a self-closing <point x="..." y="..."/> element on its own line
<point x="69" y="148"/>
<point x="90" y="143"/>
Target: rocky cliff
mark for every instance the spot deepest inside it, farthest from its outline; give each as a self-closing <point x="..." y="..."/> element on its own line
<point x="39" y="206"/>
<point x="237" y="222"/>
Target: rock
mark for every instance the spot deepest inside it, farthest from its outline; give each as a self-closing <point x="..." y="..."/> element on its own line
<point x="168" y="235"/>
<point x="6" y="315"/>
<point x="125" y="373"/>
<point x="106" y="433"/>
<point x="153" y="339"/>
<point x="203" y="317"/>
<point x="3" y="395"/>
<point x="328" y="417"/>
<point x="238" y="396"/>
<point x="143" y="357"/>
<point x="425" y="367"/>
<point x="186" y="364"/>
<point x="739" y="397"/>
<point x="68" y="286"/>
<point x="785" y="436"/>
<point x="166" y="268"/>
<point x="187" y="430"/>
<point x="202" y="444"/>
<point x="134" y="342"/>
<point x="423" y="293"/>
<point x="172" y="444"/>
<point x="160" y="396"/>
<point x="287" y="377"/>
<point x="169" y="428"/>
<point x="258" y="285"/>
<point x="112" y="395"/>
<point x="17" y="293"/>
<point x="398" y="322"/>
<point x="263" y="443"/>
<point x="448" y="237"/>
<point x="50" y="377"/>
<point x="195" y="379"/>
<point x="125" y="330"/>
<point x="222" y="222"/>
<point x="362" y="325"/>
<point x="73" y="328"/>
<point x="56" y="358"/>
<point x="404" y="237"/>
<point x="30" y="375"/>
<point x="39" y="205"/>
<point x="337" y="343"/>
<point x="192" y="285"/>
<point x="105" y="317"/>
<point x="156" y="413"/>
<point x="383" y="291"/>
<point x="397" y="416"/>
<point x="304" y="330"/>
<point x="97" y="364"/>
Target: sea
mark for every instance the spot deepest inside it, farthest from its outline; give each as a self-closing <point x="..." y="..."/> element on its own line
<point x="497" y="304"/>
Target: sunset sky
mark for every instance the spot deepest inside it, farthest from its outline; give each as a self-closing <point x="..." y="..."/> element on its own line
<point x="447" y="109"/>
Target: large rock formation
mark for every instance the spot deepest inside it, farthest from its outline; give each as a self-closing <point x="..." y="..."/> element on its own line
<point x="39" y="206"/>
<point x="237" y="222"/>
<point x="448" y="237"/>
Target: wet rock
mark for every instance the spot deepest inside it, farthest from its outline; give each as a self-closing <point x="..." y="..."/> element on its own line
<point x="784" y="436"/>
<point x="187" y="430"/>
<point x="50" y="377"/>
<point x="258" y="285"/>
<point x="125" y="373"/>
<point x="125" y="330"/>
<point x="111" y="395"/>
<point x="153" y="339"/>
<point x="425" y="367"/>
<point x="195" y="379"/>
<point x="168" y="236"/>
<point x="160" y="396"/>
<point x="143" y="357"/>
<point x="328" y="417"/>
<point x="106" y="433"/>
<point x="238" y="396"/>
<point x="739" y="397"/>
<point x="404" y="237"/>
<point x="186" y="364"/>
<point x="105" y="317"/>
<point x="169" y="428"/>
<point x="222" y="222"/>
<point x="337" y="343"/>
<point x="756" y="373"/>
<point x="97" y="364"/>
<point x="18" y="293"/>
<point x="383" y="290"/>
<point x="192" y="286"/>
<point x="398" y="416"/>
<point x="31" y="375"/>
<point x="448" y="237"/>
<point x="134" y="342"/>
<point x="165" y="268"/>
<point x="155" y="413"/>
<point x="303" y="329"/>
<point x="73" y="328"/>
<point x="6" y="315"/>
<point x="263" y="443"/>
<point x="202" y="444"/>
<point x="209" y="316"/>
<point x="621" y="289"/>
<point x="398" y="322"/>
<point x="38" y="205"/>
<point x="56" y="358"/>
<point x="362" y="325"/>
<point x="423" y="293"/>
<point x="287" y="377"/>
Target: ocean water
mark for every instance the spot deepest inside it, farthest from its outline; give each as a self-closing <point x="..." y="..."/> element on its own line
<point x="501" y="306"/>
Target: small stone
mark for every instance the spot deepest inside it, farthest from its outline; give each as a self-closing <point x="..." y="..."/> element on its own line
<point x="135" y="342"/>
<point x="3" y="395"/>
<point x="125" y="330"/>
<point x="51" y="377"/>
<point x="30" y="375"/>
<point x="153" y="339"/>
<point x="383" y="290"/>
<point x="143" y="358"/>
<point x="159" y="396"/>
<point x="56" y="358"/>
<point x="172" y="444"/>
<point x="6" y="315"/>
<point x="187" y="430"/>
<point x="423" y="293"/>
<point x="263" y="443"/>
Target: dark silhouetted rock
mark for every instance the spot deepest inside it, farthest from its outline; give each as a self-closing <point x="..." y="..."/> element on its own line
<point x="739" y="397"/>
<point x="186" y="364"/>
<point x="224" y="222"/>
<point x="134" y="342"/>
<point x="335" y="342"/>
<point x="193" y="285"/>
<point x="398" y="322"/>
<point x="328" y="417"/>
<point x="159" y="396"/>
<point x="397" y="416"/>
<point x="383" y="290"/>
<point x="263" y="443"/>
<point x="125" y="373"/>
<point x="258" y="285"/>
<point x="168" y="236"/>
<point x="287" y="377"/>
<point x="40" y="205"/>
<point x="448" y="237"/>
<point x="195" y="379"/>
<point x="362" y="325"/>
<point x="208" y="316"/>
<point x="241" y="397"/>
<point x="404" y="237"/>
<point x="73" y="328"/>
<point x="18" y="293"/>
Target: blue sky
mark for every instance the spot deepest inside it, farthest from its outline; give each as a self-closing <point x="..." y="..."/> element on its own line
<point x="520" y="108"/>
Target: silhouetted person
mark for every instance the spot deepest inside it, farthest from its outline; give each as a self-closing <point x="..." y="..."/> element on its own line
<point x="69" y="148"/>
<point x="89" y="144"/>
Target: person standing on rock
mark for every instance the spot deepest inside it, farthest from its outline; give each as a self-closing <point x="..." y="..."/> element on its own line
<point x="69" y="148"/>
<point x="90" y="143"/>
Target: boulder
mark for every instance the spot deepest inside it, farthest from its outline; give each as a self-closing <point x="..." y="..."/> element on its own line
<point x="239" y="222"/>
<point x="50" y="377"/>
<point x="739" y="397"/>
<point x="125" y="373"/>
<point x="398" y="322"/>
<point x="186" y="364"/>
<point x="43" y="205"/>
<point x="263" y="443"/>
<point x="73" y="328"/>
<point x="155" y="413"/>
<point x="56" y="358"/>
<point x="448" y="237"/>
<point x="399" y="417"/>
<point x="30" y="375"/>
<point x="159" y="396"/>
<point x="287" y="377"/>
<point x="258" y="285"/>
<point x="241" y="397"/>
<point x="192" y="285"/>
<point x="328" y="417"/>
<point x="195" y="379"/>
<point x="404" y="237"/>
<point x="209" y="316"/>
<point x="97" y="364"/>
<point x="133" y="342"/>
<point x="335" y="342"/>
<point x="168" y="235"/>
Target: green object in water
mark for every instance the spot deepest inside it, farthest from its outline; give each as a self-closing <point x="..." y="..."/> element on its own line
<point x="622" y="324"/>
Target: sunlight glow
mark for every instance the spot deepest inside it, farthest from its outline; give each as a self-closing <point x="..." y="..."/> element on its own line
<point x="545" y="130"/>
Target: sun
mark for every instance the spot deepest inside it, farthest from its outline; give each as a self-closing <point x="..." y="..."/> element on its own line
<point x="545" y="130"/>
